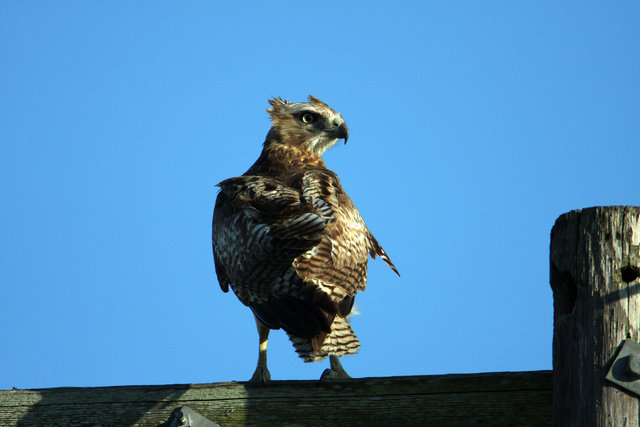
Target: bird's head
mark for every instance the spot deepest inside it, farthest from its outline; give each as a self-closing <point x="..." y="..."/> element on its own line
<point x="312" y="125"/>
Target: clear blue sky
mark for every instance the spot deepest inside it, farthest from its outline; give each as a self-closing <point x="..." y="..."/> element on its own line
<point x="474" y="125"/>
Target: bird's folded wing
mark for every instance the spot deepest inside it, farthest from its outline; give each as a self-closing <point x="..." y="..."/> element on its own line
<point x="259" y="227"/>
<point x="286" y="215"/>
<point x="264" y="194"/>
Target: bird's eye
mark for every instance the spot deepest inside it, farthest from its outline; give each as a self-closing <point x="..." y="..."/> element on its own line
<point x="307" y="118"/>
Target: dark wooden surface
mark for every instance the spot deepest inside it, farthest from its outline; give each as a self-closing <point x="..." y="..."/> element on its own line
<point x="497" y="399"/>
<point x="596" y="306"/>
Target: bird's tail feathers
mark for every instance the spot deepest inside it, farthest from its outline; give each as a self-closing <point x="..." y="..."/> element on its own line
<point x="340" y="342"/>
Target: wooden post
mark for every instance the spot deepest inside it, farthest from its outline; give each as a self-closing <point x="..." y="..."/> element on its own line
<point x="594" y="263"/>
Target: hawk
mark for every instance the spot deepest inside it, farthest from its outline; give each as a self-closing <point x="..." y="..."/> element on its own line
<point x="289" y="241"/>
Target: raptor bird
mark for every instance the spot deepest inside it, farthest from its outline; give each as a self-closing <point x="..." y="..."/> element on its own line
<point x="290" y="242"/>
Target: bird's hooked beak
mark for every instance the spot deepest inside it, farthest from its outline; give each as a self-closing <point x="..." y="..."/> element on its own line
<point x="342" y="131"/>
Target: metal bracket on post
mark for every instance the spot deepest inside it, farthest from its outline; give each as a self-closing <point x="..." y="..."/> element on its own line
<point x="187" y="417"/>
<point x="625" y="370"/>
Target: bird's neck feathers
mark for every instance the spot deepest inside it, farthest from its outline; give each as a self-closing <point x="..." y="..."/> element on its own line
<point x="277" y="158"/>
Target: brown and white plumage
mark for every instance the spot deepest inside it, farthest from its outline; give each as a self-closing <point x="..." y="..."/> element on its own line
<point x="289" y="241"/>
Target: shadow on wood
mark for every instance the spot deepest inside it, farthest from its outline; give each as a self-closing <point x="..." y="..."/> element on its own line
<point x="123" y="406"/>
<point x="511" y="398"/>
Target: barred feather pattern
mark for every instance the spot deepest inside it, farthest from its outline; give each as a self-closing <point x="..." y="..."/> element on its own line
<point x="253" y="250"/>
<point x="340" y="342"/>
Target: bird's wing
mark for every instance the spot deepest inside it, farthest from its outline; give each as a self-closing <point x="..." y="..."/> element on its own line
<point x="259" y="226"/>
<point x="339" y="261"/>
<point x="376" y="250"/>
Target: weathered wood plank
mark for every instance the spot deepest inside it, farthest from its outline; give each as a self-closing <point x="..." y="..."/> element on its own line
<point x="594" y="259"/>
<point x="513" y="398"/>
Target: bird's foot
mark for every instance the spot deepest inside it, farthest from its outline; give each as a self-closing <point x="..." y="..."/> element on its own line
<point x="336" y="372"/>
<point x="260" y="376"/>
<point x="331" y="375"/>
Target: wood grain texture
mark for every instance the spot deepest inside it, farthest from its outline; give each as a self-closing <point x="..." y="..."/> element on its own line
<point x="512" y="398"/>
<point x="596" y="306"/>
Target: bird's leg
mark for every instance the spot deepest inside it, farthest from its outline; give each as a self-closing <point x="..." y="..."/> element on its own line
<point x="336" y="372"/>
<point x="261" y="375"/>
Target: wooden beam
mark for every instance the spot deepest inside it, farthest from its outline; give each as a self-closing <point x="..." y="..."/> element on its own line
<point x="594" y="264"/>
<point x="510" y="398"/>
